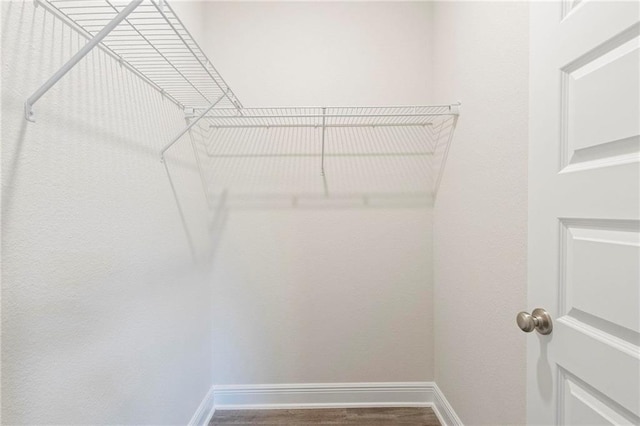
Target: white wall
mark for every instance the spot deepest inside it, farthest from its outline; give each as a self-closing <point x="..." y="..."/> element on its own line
<point x="481" y="58"/>
<point x="105" y="318"/>
<point x="323" y="296"/>
<point x="328" y="291"/>
<point x="192" y="15"/>
<point x="105" y="315"/>
<point x="322" y="53"/>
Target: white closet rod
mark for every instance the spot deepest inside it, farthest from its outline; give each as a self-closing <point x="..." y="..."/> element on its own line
<point x="442" y="107"/>
<point x="28" y="107"/>
<point x="230" y="117"/>
<point x="268" y="126"/>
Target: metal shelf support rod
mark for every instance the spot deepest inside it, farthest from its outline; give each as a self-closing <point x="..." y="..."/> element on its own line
<point x="28" y="106"/>
<point x="444" y="155"/>
<point x="193" y="123"/>
<point x="199" y="164"/>
<point x="324" y="128"/>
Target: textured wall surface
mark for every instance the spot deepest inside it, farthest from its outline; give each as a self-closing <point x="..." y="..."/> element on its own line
<point x="328" y="291"/>
<point x="480" y="217"/>
<point x="105" y="314"/>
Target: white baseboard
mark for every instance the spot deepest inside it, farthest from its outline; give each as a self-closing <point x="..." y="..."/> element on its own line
<point x="443" y="409"/>
<point x="336" y="395"/>
<point x="205" y="410"/>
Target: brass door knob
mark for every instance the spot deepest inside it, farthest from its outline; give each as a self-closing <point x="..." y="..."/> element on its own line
<point x="538" y="319"/>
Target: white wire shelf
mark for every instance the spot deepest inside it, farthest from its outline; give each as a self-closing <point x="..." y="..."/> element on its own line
<point x="147" y="37"/>
<point x="399" y="148"/>
<point x="352" y="116"/>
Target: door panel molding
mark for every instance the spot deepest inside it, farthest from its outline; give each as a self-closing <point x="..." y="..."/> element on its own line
<point x="601" y="407"/>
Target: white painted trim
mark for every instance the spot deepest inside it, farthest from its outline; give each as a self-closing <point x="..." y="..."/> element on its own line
<point x="444" y="411"/>
<point x="205" y="410"/>
<point x="336" y="395"/>
<point x="324" y="395"/>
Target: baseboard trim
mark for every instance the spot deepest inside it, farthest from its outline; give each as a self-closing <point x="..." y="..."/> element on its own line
<point x="205" y="410"/>
<point x="336" y="395"/>
<point x="443" y="409"/>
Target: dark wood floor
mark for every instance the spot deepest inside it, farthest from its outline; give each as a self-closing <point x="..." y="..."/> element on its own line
<point x="328" y="416"/>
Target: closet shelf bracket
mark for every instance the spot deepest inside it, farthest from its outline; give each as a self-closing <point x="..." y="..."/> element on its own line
<point x="93" y="42"/>
<point x="193" y="123"/>
<point x="324" y="129"/>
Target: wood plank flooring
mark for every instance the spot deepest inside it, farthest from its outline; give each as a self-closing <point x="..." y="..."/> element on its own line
<point x="328" y="416"/>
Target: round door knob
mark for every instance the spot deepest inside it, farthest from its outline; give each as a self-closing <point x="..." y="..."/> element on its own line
<point x="538" y="319"/>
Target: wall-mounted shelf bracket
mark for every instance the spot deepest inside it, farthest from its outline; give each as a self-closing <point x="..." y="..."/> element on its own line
<point x="189" y="112"/>
<point x="324" y="129"/>
<point x="193" y="123"/>
<point x="93" y="42"/>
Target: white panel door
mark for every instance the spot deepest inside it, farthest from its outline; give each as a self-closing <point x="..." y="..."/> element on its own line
<point x="584" y="211"/>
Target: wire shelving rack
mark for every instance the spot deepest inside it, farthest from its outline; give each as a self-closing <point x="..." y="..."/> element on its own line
<point x="147" y="37"/>
<point x="351" y="116"/>
<point x="392" y="131"/>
